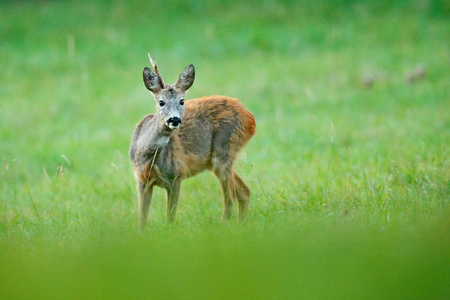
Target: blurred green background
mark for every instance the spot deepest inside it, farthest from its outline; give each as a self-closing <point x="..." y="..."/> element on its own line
<point x="349" y="169"/>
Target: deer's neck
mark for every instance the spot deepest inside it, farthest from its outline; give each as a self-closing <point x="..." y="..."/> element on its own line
<point x="155" y="136"/>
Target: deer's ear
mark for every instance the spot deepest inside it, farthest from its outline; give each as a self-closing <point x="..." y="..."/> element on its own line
<point x="151" y="80"/>
<point x="186" y="78"/>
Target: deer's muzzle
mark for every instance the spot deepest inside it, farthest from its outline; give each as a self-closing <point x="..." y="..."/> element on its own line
<point x="174" y="122"/>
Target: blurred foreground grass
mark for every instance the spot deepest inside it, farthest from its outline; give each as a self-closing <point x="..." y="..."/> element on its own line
<point x="349" y="168"/>
<point x="311" y="261"/>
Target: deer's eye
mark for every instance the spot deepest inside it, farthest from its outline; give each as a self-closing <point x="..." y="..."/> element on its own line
<point x="161" y="103"/>
<point x="182" y="102"/>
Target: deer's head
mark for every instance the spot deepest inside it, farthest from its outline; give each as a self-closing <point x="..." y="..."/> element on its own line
<point x="169" y="98"/>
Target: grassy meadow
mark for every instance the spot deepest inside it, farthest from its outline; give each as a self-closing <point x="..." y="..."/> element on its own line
<point x="349" y="168"/>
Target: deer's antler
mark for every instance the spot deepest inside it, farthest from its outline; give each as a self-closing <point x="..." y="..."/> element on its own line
<point x="155" y="68"/>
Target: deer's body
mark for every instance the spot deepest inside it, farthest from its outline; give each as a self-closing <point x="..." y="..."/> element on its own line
<point x="212" y="132"/>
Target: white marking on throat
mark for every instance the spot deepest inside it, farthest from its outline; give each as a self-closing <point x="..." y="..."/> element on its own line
<point x="162" y="141"/>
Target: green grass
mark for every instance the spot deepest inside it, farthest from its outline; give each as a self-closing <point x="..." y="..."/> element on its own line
<point x="350" y="184"/>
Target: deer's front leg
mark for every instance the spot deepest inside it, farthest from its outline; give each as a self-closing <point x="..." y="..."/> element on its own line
<point x="173" y="193"/>
<point x="144" y="201"/>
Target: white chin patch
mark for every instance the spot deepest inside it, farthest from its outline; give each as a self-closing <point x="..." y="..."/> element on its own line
<point x="173" y="127"/>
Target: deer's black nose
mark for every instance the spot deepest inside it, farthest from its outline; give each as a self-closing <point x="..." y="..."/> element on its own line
<point x="174" y="121"/>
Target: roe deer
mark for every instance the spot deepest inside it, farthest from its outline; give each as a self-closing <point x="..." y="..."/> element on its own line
<point x="185" y="138"/>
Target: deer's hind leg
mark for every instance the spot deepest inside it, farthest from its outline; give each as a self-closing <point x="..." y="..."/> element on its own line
<point x="227" y="197"/>
<point x="223" y="174"/>
<point x="226" y="148"/>
<point x="233" y="188"/>
<point x="241" y="192"/>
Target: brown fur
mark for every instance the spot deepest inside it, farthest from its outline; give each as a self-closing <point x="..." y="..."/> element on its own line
<point x="213" y="131"/>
